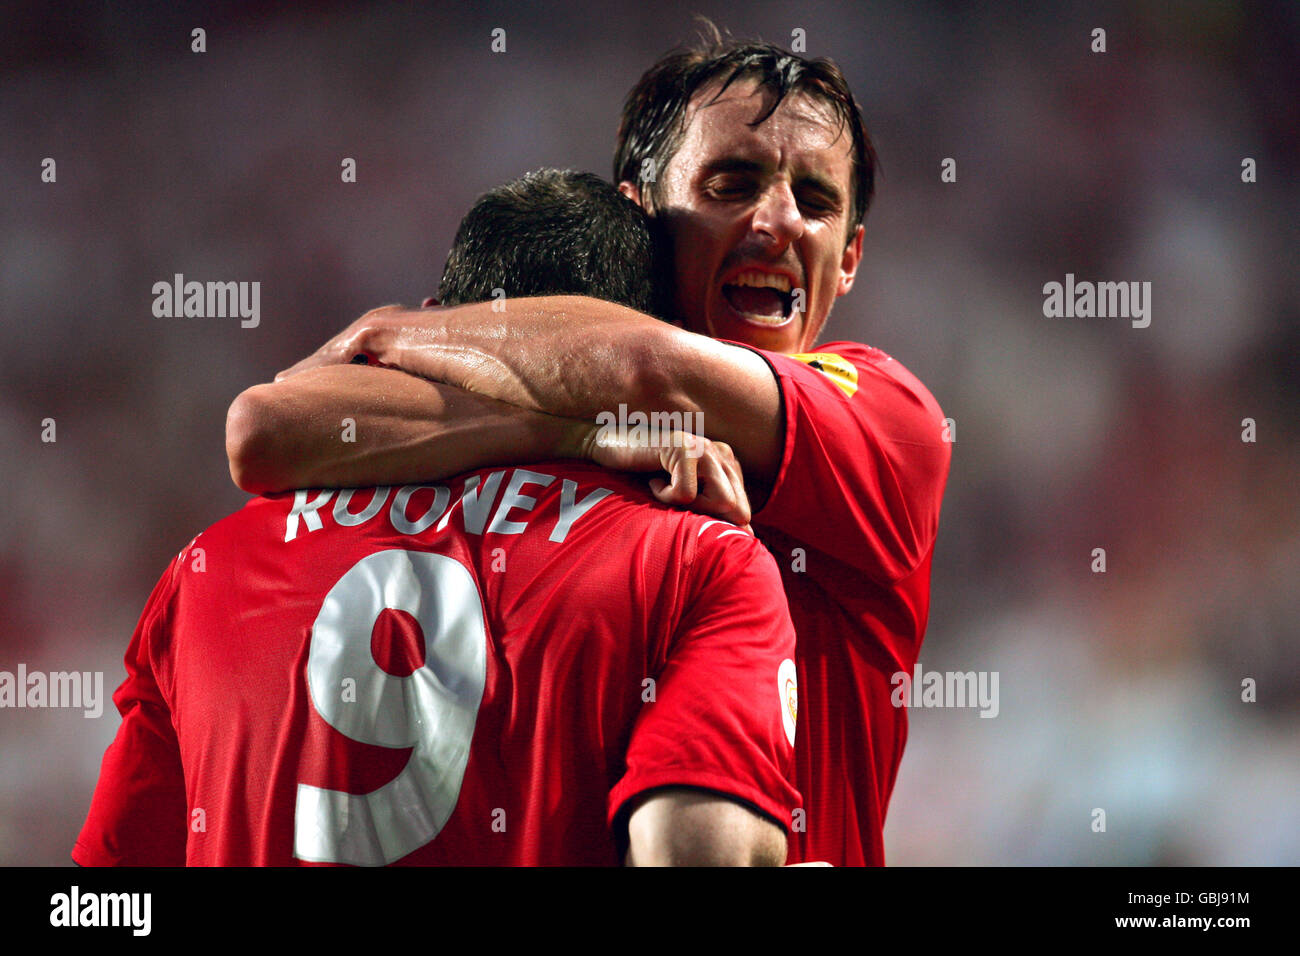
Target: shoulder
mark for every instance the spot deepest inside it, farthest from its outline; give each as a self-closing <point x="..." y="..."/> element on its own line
<point x="866" y="458"/>
<point x="855" y="388"/>
<point x="862" y="370"/>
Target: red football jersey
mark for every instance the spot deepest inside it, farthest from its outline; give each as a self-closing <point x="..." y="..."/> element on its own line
<point x="484" y="671"/>
<point x="852" y="521"/>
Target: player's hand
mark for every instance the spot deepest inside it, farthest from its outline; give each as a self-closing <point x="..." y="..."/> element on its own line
<point x="703" y="475"/>
<point x="351" y="342"/>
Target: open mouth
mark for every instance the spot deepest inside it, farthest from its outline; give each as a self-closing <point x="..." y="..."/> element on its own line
<point x="760" y="299"/>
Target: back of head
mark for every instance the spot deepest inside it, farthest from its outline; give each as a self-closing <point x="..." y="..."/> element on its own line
<point x="555" y="232"/>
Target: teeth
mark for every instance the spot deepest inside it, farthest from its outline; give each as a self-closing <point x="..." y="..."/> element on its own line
<point x="762" y="280"/>
<point x="773" y="320"/>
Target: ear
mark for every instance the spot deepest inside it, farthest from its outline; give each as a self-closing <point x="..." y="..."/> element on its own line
<point x="849" y="263"/>
<point x="631" y="191"/>
<point x="430" y="301"/>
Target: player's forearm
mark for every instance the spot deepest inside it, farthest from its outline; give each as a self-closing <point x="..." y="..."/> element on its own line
<point x="565" y="355"/>
<point x="352" y="426"/>
<point x="580" y="358"/>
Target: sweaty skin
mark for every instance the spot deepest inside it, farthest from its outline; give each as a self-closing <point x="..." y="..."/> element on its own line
<point x="680" y="827"/>
<point x="772" y="199"/>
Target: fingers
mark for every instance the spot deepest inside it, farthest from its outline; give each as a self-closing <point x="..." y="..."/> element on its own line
<point x="722" y="491"/>
<point x="728" y="459"/>
<point x="702" y="475"/>
<point x="736" y="484"/>
<point x="705" y="477"/>
<point x="344" y="346"/>
<point x="332" y="353"/>
<point x="297" y="367"/>
<point x="621" y="454"/>
<point x="683" y="473"/>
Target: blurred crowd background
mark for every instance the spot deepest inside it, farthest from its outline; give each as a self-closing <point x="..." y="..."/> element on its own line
<point x="1119" y="690"/>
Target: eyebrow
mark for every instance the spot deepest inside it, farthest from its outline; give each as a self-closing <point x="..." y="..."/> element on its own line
<point x="734" y="164"/>
<point x="731" y="165"/>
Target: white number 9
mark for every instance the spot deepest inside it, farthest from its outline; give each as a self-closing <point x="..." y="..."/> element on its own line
<point x="433" y="710"/>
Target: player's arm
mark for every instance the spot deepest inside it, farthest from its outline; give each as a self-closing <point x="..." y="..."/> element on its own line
<point x="576" y="357"/>
<point x="680" y="827"/>
<point x="345" y="426"/>
<point x="138" y="814"/>
<point x="710" y="758"/>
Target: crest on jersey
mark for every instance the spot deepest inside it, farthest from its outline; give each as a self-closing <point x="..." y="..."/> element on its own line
<point x="787" y="686"/>
<point x="835" y="367"/>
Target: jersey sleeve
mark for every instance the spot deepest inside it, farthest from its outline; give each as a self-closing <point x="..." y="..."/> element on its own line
<point x="138" y="813"/>
<point x="864" y="461"/>
<point x="723" y="713"/>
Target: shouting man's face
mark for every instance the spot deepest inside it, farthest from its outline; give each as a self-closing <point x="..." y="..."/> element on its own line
<point x="757" y="214"/>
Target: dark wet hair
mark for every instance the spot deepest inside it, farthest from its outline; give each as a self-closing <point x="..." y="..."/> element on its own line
<point x="654" y="114"/>
<point x="556" y="232"/>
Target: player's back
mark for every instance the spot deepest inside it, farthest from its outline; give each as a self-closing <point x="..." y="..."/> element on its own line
<point x="451" y="673"/>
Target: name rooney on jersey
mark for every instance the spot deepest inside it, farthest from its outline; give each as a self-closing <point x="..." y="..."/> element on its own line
<point x="474" y="505"/>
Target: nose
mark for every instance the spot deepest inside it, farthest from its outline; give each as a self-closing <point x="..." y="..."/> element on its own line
<point x="777" y="215"/>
